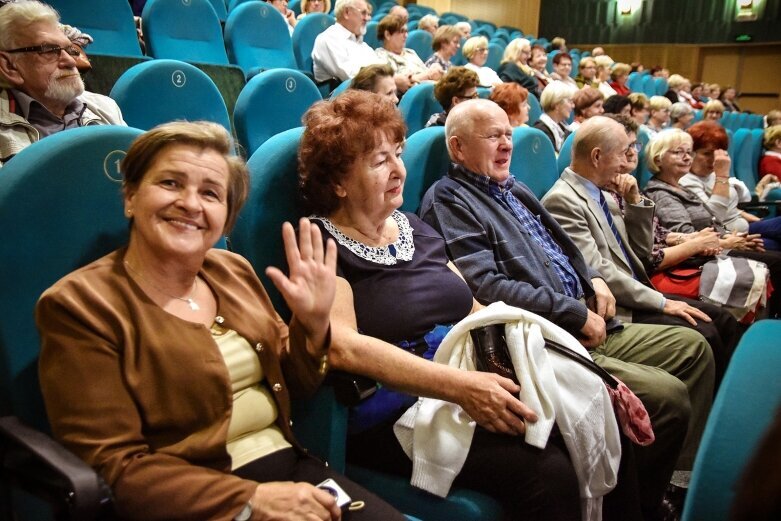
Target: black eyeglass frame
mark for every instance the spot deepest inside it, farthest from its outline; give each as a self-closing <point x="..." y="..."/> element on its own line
<point x="47" y="48"/>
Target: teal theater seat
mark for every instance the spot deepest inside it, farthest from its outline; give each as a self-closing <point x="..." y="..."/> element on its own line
<point x="221" y="8"/>
<point x="649" y="85"/>
<point x="495" y="52"/>
<point x="642" y="172"/>
<point x="565" y="154"/>
<point x="748" y="398"/>
<point x="426" y="159"/>
<point x="661" y="86"/>
<point x="533" y="160"/>
<point x="304" y="36"/>
<point x="272" y="102"/>
<point x="109" y="22"/>
<point x="634" y="82"/>
<point x="417" y="105"/>
<point x="535" y="109"/>
<point x="60" y="208"/>
<point x="371" y="35"/>
<point x="159" y="91"/>
<point x="188" y="31"/>
<point x="420" y="42"/>
<point x="741" y="155"/>
<point x="321" y="423"/>
<point x="341" y="88"/>
<point x="257" y="38"/>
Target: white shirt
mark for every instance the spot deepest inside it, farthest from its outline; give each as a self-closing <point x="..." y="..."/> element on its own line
<point x="487" y="76"/>
<point x="340" y="54"/>
<point x="606" y="89"/>
<point x="725" y="208"/>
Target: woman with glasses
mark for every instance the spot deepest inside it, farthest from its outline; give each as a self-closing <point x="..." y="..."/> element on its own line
<point x="587" y="73"/>
<point x="713" y="111"/>
<point x="681" y="115"/>
<point x="447" y="40"/>
<point x="459" y="84"/>
<point x="659" y="115"/>
<point x="557" y="105"/>
<point x="475" y="50"/>
<point x="314" y="6"/>
<point x="538" y="63"/>
<point x="392" y="33"/>
<point x="562" y="68"/>
<point x="669" y="156"/>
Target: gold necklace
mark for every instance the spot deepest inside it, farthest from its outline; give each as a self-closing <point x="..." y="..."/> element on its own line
<point x="189" y="300"/>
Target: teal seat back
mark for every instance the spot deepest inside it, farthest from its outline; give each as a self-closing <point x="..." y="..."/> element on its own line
<point x="304" y="36"/>
<point x="417" y="105"/>
<point x="272" y="102"/>
<point x="420" y="42"/>
<point x="634" y="82"/>
<point x="272" y="200"/>
<point x="649" y="85"/>
<point x="757" y="137"/>
<point x="697" y="116"/>
<point x="549" y="65"/>
<point x="341" y="88"/>
<point x="184" y="30"/>
<point x="642" y="172"/>
<point x="60" y="208"/>
<point x="565" y="154"/>
<point x="158" y="91"/>
<point x="426" y="159"/>
<point x="535" y="109"/>
<point x="371" y="35"/>
<point x="748" y="398"/>
<point x="661" y="86"/>
<point x="495" y="52"/>
<point x="109" y="22"/>
<point x="742" y="120"/>
<point x="743" y="157"/>
<point x="221" y="8"/>
<point x="533" y="160"/>
<point x="257" y="38"/>
<point x="459" y="58"/>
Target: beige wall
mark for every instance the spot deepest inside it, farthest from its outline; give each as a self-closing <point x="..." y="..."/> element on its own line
<point x="522" y="14"/>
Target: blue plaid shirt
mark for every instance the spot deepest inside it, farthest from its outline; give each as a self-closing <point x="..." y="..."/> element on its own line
<point x="531" y="222"/>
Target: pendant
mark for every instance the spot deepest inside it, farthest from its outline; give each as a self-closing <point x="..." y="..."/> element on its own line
<point x="193" y="305"/>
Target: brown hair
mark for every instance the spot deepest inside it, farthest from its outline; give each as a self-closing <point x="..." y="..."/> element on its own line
<point x="367" y="77"/>
<point x="335" y="137"/>
<point x="444" y="34"/>
<point x="204" y="135"/>
<point x="509" y="96"/>
<point x="391" y="23"/>
<point x="584" y="98"/>
<point x="454" y="83"/>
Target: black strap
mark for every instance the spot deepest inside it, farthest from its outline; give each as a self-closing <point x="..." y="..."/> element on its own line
<point x="582" y="360"/>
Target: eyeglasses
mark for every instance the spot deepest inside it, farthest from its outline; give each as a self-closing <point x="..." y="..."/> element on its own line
<point x="481" y="49"/>
<point x="363" y="12"/>
<point x="680" y="152"/>
<point x="48" y="51"/>
<point x="634" y="148"/>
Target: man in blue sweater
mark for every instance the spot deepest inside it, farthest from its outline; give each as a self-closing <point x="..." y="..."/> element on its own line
<point x="509" y="248"/>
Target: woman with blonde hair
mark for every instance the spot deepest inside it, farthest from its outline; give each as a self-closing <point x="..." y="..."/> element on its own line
<point x="640" y="107"/>
<point x="556" y="103"/>
<point x="314" y="6"/>
<point x="475" y="50"/>
<point x="675" y="85"/>
<point x="604" y="63"/>
<point x="659" y="115"/>
<point x="618" y="77"/>
<point x="587" y="73"/>
<point x="429" y="23"/>
<point x="447" y="40"/>
<point x="713" y="111"/>
<point x="514" y="65"/>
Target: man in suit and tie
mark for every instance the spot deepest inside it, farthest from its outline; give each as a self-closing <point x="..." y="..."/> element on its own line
<point x="613" y="243"/>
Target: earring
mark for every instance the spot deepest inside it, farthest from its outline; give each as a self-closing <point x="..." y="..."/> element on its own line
<point x="129" y="212"/>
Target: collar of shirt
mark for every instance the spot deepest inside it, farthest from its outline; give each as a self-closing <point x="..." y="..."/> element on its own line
<point x="27" y="104"/>
<point x="592" y="189"/>
<point x="483" y="182"/>
<point x="346" y="34"/>
<point x="773" y="153"/>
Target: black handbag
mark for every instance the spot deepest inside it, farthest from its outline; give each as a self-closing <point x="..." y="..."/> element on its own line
<point x="493" y="356"/>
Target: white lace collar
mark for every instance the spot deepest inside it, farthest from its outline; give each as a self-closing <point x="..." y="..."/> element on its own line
<point x="401" y="250"/>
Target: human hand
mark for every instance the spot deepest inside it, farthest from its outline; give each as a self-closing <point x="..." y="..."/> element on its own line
<point x="625" y="185"/>
<point x="685" y="311"/>
<point x="435" y="72"/>
<point x="769" y="178"/>
<point x="593" y="331"/>
<point x="309" y="290"/>
<point x="492" y="401"/>
<point x="707" y="241"/>
<point x="742" y="242"/>
<point x="285" y="500"/>
<point x="606" y="302"/>
<point x="403" y="82"/>
<point x="721" y="162"/>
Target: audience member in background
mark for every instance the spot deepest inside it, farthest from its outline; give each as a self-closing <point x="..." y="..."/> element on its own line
<point x="669" y="156"/>
<point x="395" y="289"/>
<point x="459" y="84"/>
<point x="713" y="111"/>
<point x="697" y="96"/>
<point x="559" y="44"/>
<point x="618" y="104"/>
<point x="604" y="64"/>
<point x="618" y="76"/>
<point x="675" y="85"/>
<point x="401" y="12"/>
<point x="377" y="79"/>
<point x="639" y="107"/>
<point x="562" y="68"/>
<point x="392" y="33"/>
<point x="597" y="51"/>
<point x="314" y="6"/>
<point x="686" y="95"/>
<point x="514" y="65"/>
<point x="588" y="102"/>
<point x="770" y="164"/>
<point x="475" y="50"/>
<point x="514" y="101"/>
<point x="510" y="249"/>
<point x="715" y="90"/>
<point x="681" y="115"/>
<point x="773" y="118"/>
<point x="465" y="28"/>
<point x="709" y="179"/>
<point x="339" y="52"/>
<point x="41" y="90"/>
<point x="556" y="104"/>
<point x="537" y="62"/>
<point x="659" y="115"/>
<point x="201" y="430"/>
<point x="615" y="243"/>
<point x="637" y="67"/>
<point x="728" y="99"/>
<point x="429" y="23"/>
<point x="705" y="97"/>
<point x="446" y="42"/>
<point x="587" y="73"/>
<point x="288" y="14"/>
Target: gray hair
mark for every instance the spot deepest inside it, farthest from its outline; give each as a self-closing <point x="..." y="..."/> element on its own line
<point x="341" y="5"/>
<point x="16" y="17"/>
<point x="679" y="110"/>
<point x="663" y="142"/>
<point x="554" y="93"/>
<point x="596" y="132"/>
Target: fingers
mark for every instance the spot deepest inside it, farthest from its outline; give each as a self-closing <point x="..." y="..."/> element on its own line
<point x="328" y="502"/>
<point x="305" y="246"/>
<point x="317" y="241"/>
<point x="292" y="253"/>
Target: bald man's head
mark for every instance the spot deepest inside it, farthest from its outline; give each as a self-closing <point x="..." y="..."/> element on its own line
<point x="479" y="137"/>
<point x="599" y="150"/>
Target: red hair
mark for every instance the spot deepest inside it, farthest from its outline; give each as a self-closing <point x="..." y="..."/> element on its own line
<point x="509" y="96"/>
<point x="706" y="133"/>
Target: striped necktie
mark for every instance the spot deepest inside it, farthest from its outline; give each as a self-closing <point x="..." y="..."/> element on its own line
<point x="606" y="211"/>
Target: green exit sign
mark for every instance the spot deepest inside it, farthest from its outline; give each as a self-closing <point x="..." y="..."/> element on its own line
<point x="743" y="38"/>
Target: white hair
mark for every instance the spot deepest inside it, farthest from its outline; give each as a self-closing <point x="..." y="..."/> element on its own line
<point x="16" y="17"/>
<point x="554" y="93"/>
<point x="341" y="5"/>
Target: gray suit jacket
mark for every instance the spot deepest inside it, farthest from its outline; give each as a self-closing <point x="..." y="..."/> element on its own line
<point x="585" y="223"/>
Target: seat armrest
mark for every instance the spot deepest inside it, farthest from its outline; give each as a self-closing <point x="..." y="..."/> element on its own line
<point x="32" y="461"/>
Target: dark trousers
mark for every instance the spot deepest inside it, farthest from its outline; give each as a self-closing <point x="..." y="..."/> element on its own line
<point x="288" y="465"/>
<point x="723" y="333"/>
<point x="530" y="483"/>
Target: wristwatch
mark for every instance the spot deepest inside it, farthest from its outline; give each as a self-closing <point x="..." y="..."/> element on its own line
<point x="245" y="514"/>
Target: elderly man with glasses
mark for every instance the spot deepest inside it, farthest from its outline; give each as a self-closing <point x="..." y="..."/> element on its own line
<point x="42" y="90"/>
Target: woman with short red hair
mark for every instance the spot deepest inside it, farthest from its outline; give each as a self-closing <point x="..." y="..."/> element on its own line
<point x="514" y="101"/>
